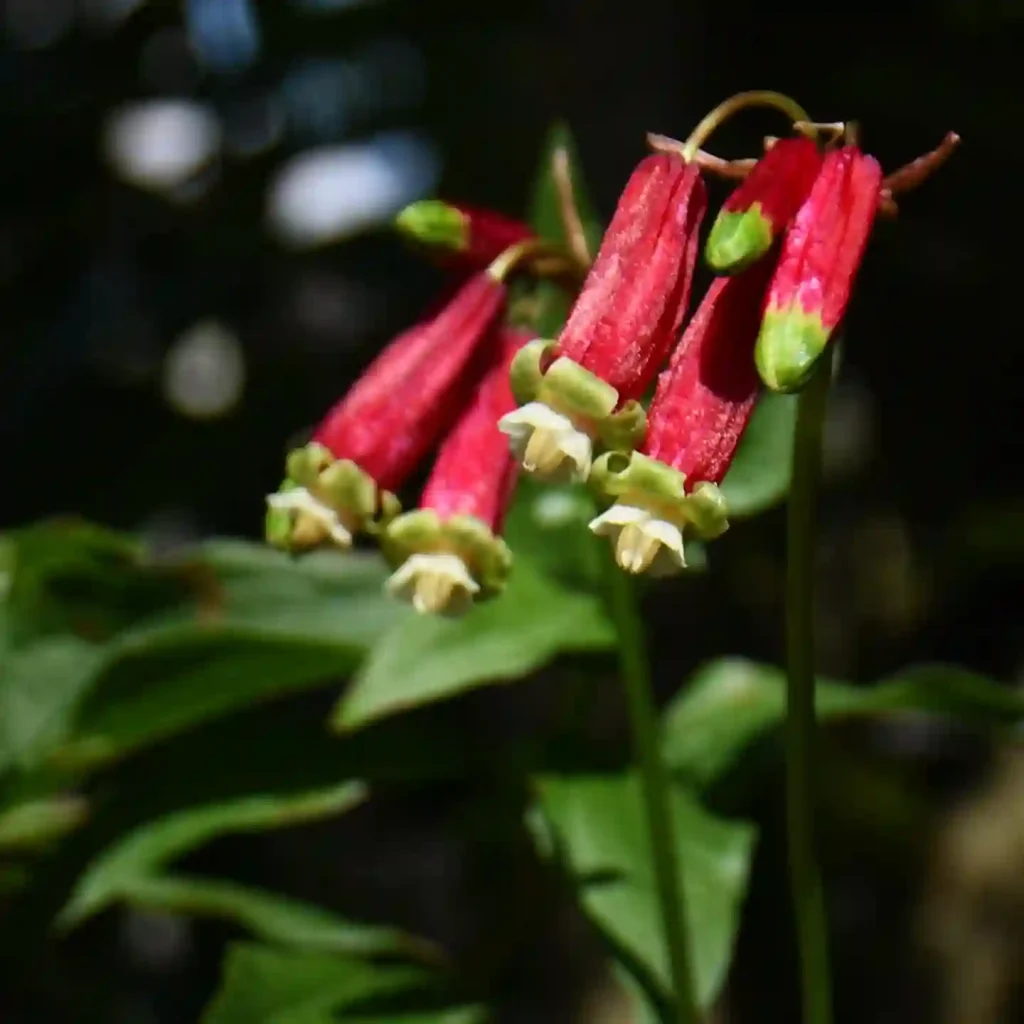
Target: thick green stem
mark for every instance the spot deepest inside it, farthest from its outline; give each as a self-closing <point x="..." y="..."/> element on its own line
<point x="805" y="874"/>
<point x="655" y="785"/>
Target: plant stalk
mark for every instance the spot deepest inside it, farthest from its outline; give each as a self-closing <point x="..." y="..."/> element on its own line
<point x="655" y="785"/>
<point x="801" y="536"/>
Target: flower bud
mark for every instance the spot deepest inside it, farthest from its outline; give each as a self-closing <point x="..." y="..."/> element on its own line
<point x="449" y="553"/>
<point x="370" y="442"/>
<point x="474" y="236"/>
<point x="820" y="256"/>
<point x="760" y="209"/>
<point x="701" y="407"/>
<point x="584" y="388"/>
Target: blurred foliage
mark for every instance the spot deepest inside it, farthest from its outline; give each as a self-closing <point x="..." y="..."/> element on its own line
<point x="205" y="730"/>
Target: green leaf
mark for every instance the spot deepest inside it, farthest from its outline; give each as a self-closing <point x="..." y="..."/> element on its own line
<point x="169" y="688"/>
<point x="252" y="625"/>
<point x="731" y="702"/>
<point x="264" y="985"/>
<point x="759" y="476"/>
<point x="141" y="853"/>
<point x="548" y="524"/>
<point x="428" y="659"/>
<point x="268" y="916"/>
<point x="601" y="830"/>
<point x="41" y="686"/>
<point x="33" y="824"/>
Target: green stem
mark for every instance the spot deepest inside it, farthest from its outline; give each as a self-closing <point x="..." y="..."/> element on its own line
<point x="655" y="785"/>
<point x="805" y="874"/>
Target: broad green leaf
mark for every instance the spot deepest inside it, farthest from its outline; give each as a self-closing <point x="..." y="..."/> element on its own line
<point x="548" y="524"/>
<point x="429" y="659"/>
<point x="601" y="830"/>
<point x="252" y="626"/>
<point x="759" y="476"/>
<point x="146" y="850"/>
<point x="268" y="916"/>
<point x="35" y="823"/>
<point x="730" y="702"/>
<point x="174" y="686"/>
<point x="265" y="985"/>
<point x="42" y="683"/>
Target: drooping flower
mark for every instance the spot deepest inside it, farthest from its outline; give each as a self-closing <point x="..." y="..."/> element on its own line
<point x="369" y="443"/>
<point x="701" y="407"/>
<point x="760" y="209"/>
<point x="471" y="236"/>
<point x="448" y="552"/>
<point x="821" y="254"/>
<point x="583" y="388"/>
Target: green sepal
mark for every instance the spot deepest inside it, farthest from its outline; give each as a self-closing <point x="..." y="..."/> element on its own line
<point x="422" y="531"/>
<point x="527" y="369"/>
<point x="577" y="393"/>
<point x="788" y="346"/>
<point x="737" y="239"/>
<point x="624" y="430"/>
<point x="638" y="480"/>
<point x="348" y="491"/>
<point x="435" y="223"/>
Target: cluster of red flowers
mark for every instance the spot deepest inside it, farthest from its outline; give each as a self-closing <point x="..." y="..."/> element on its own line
<point x="786" y="246"/>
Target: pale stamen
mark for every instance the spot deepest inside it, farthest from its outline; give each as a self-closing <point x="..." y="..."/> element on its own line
<point x="434" y="584"/>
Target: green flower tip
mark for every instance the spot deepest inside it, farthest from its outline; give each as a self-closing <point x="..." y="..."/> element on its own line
<point x="435" y="223"/>
<point x="738" y="239"/>
<point x="788" y="346"/>
<point x="444" y="567"/>
<point x="325" y="501"/>
<point x="649" y="511"/>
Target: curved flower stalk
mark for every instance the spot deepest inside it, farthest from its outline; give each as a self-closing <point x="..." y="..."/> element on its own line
<point x="583" y="388"/>
<point x="368" y="444"/>
<point x="821" y="254"/>
<point x="448" y="553"/>
<point x="469" y="235"/>
<point x="701" y="407"/>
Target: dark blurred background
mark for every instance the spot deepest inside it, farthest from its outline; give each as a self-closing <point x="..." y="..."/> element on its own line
<point x="191" y="271"/>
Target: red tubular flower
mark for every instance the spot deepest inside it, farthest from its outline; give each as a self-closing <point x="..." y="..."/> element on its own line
<point x="369" y="443"/>
<point x="760" y="209"/>
<point x="473" y="236"/>
<point x="701" y="407"/>
<point x="449" y="552"/>
<point x="820" y="257"/>
<point x="585" y="386"/>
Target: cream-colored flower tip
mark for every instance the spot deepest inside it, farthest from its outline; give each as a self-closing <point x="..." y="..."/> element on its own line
<point x="642" y="542"/>
<point x="547" y="444"/>
<point x="298" y="499"/>
<point x="437" y="584"/>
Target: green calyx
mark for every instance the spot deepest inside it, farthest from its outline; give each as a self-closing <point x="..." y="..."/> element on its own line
<point x="788" y="347"/>
<point x="433" y="222"/>
<point x="642" y="482"/>
<point x="737" y="239"/>
<point x="423" y="532"/>
<point x="324" y="501"/>
<point x="582" y="397"/>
